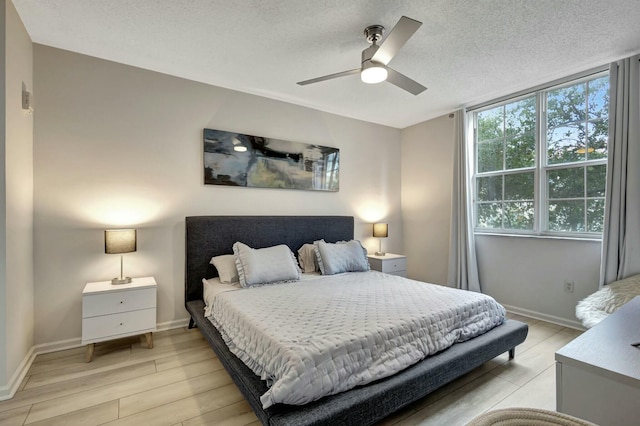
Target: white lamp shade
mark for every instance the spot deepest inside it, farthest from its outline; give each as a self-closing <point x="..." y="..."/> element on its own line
<point x="380" y="230"/>
<point x="117" y="241"/>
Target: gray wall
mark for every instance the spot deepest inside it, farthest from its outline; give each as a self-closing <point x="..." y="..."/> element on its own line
<point x="121" y="146"/>
<point x="3" y="197"/>
<point x="528" y="274"/>
<point x="16" y="191"/>
<point x="427" y="172"/>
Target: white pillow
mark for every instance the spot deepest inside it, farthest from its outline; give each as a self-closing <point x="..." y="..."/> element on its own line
<point x="265" y="266"/>
<point x="307" y="258"/>
<point x="341" y="257"/>
<point x="226" y="266"/>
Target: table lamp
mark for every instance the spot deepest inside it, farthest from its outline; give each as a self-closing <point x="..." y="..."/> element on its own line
<point x="119" y="241"/>
<point x="380" y="230"/>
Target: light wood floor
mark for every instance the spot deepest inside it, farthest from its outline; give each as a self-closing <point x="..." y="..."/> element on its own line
<point x="181" y="382"/>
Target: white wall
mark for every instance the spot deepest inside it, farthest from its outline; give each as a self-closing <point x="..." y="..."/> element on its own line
<point x="122" y="146"/>
<point x="17" y="191"/>
<point x="525" y="274"/>
<point x="427" y="172"/>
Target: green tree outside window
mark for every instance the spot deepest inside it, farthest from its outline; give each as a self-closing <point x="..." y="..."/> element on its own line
<point x="570" y="123"/>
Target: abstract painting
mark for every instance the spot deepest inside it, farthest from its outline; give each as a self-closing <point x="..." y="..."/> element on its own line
<point x="235" y="159"/>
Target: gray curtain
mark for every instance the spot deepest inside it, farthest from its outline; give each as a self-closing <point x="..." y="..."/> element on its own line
<point x="463" y="267"/>
<point x="621" y="237"/>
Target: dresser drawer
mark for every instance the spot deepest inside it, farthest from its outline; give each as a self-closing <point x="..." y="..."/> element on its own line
<point x="118" y="301"/>
<point x="118" y="325"/>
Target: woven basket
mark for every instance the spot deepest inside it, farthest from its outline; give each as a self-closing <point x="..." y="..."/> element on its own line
<point x="526" y="417"/>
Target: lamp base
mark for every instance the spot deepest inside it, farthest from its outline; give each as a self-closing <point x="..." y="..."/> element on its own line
<point x="381" y="253"/>
<point x="120" y="280"/>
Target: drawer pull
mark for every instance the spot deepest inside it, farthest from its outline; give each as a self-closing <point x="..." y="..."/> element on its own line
<point x="121" y="302"/>
<point x="120" y="323"/>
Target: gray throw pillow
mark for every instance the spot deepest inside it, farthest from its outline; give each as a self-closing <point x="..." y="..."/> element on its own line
<point x="341" y="257"/>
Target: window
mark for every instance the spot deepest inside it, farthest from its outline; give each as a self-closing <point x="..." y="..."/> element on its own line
<point x="540" y="161"/>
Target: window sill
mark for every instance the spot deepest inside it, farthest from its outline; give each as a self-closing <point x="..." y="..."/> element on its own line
<point x="541" y="236"/>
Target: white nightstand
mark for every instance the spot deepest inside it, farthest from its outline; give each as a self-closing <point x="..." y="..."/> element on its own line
<point x="114" y="311"/>
<point x="394" y="264"/>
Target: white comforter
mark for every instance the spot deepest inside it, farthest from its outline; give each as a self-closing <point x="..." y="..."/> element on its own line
<point x="319" y="337"/>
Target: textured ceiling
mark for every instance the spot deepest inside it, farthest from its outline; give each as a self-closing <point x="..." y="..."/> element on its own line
<point x="465" y="52"/>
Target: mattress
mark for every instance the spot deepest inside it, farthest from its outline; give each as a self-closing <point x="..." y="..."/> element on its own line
<point x="319" y="337"/>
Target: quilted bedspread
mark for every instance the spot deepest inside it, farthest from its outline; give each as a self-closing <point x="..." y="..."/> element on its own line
<point x="319" y="337"/>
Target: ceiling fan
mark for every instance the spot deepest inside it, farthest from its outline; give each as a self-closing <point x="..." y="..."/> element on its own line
<point x="375" y="58"/>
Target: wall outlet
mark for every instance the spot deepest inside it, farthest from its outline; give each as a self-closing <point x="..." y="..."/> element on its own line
<point x="568" y="286"/>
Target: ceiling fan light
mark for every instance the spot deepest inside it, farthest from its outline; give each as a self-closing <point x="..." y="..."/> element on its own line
<point x="374" y="74"/>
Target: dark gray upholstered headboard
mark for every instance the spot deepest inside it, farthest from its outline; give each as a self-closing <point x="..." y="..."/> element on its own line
<point x="208" y="236"/>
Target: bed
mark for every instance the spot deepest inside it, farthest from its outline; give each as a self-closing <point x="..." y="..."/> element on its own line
<point x="208" y="236"/>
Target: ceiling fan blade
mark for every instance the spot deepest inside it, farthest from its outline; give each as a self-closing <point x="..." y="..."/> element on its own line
<point x="329" y="77"/>
<point x="398" y="36"/>
<point x="404" y="82"/>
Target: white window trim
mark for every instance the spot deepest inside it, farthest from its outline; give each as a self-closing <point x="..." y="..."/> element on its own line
<point x="540" y="171"/>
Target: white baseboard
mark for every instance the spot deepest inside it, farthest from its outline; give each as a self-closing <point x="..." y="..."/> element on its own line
<point x="169" y="325"/>
<point x="9" y="390"/>
<point x="77" y="342"/>
<point x="61" y="345"/>
<point x="544" y="317"/>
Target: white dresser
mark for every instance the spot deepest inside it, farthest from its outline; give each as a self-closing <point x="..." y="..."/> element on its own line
<point x="394" y="264"/>
<point x="114" y="311"/>
<point x="598" y="373"/>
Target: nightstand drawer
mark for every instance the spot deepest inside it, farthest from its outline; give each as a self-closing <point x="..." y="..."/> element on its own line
<point x="111" y="326"/>
<point x="389" y="265"/>
<point x="394" y="265"/>
<point x="118" y="301"/>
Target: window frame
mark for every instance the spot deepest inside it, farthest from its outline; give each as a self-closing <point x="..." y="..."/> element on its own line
<point x="541" y="166"/>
